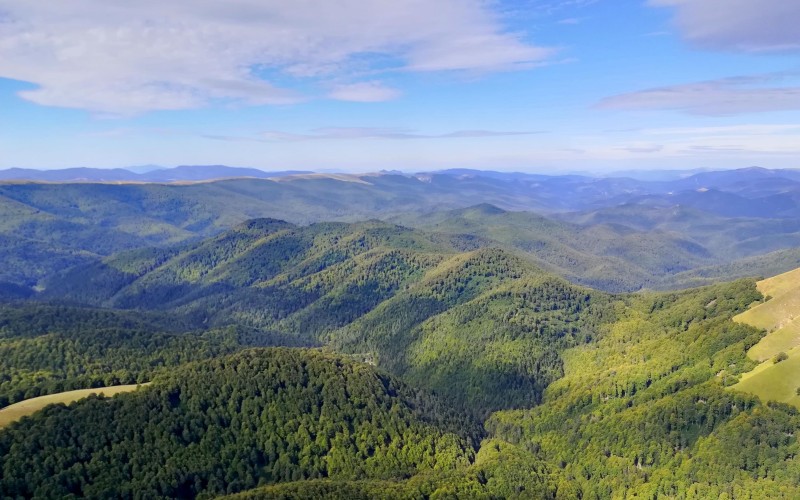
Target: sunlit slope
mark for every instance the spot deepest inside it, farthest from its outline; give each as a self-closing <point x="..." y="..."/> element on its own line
<point x="781" y="284"/>
<point x="781" y="340"/>
<point x="775" y="379"/>
<point x="778" y="315"/>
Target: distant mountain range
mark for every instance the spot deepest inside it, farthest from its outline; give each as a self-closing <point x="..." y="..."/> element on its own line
<point x="611" y="233"/>
<point x="184" y="173"/>
<point x="644" y="181"/>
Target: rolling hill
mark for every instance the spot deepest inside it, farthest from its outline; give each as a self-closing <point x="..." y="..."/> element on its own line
<point x="48" y="227"/>
<point x="381" y="292"/>
<point x="582" y="393"/>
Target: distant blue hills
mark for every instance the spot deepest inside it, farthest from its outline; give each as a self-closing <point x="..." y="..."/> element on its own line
<point x="184" y="173"/>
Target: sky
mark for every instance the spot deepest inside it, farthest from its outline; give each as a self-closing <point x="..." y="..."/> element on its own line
<point x="366" y="85"/>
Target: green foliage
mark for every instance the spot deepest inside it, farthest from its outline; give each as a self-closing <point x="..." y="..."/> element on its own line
<point x="260" y="416"/>
<point x="47" y="228"/>
<point x="642" y="411"/>
<point x="781" y="356"/>
<point x="484" y="329"/>
<point x="49" y="349"/>
<point x="600" y="396"/>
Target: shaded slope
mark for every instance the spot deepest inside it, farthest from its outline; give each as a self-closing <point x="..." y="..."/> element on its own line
<point x="485" y="329"/>
<point x="390" y="295"/>
<point x="50" y="349"/>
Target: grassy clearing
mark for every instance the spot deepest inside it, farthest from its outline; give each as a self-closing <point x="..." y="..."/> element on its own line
<point x="780" y="284"/>
<point x="780" y="316"/>
<point x="775" y="313"/>
<point x="774" y="382"/>
<point x="11" y="414"/>
<point x="781" y="340"/>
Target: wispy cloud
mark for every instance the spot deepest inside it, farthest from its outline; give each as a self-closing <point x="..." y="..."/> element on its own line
<point x="372" y="91"/>
<point x="730" y="96"/>
<point x="349" y="133"/>
<point x="355" y="133"/>
<point x="655" y="148"/>
<point x="132" y="57"/>
<point x="743" y="129"/>
<point x="740" y="25"/>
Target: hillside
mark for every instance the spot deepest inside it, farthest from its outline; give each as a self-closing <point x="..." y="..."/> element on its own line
<point x="726" y="237"/>
<point x="643" y="411"/>
<point x="17" y="411"/>
<point x="396" y="344"/>
<point x="228" y="424"/>
<point x="640" y="411"/>
<point x="583" y="393"/>
<point x="383" y="293"/>
<point x="47" y="349"/>
<point x="608" y="256"/>
<point x="769" y="264"/>
<point x="778" y="376"/>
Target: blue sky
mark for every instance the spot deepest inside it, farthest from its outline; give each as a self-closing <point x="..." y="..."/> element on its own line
<point x="363" y="85"/>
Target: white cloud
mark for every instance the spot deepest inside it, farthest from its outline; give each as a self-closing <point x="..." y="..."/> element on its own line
<point x="731" y="96"/>
<point x="350" y="133"/>
<point x="129" y="57"/>
<point x="750" y="139"/>
<point x="371" y="91"/>
<point x="742" y="25"/>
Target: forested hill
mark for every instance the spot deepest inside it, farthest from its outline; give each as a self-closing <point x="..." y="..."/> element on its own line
<point x="233" y="423"/>
<point x="629" y="247"/>
<point x="371" y="360"/>
<point x="641" y="405"/>
<point x="383" y="293"/>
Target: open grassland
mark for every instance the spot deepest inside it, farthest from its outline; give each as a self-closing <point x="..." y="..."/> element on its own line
<point x="774" y="381"/>
<point x="780" y="284"/>
<point x="13" y="413"/>
<point x="775" y="313"/>
<point x="780" y="317"/>
<point x="781" y="340"/>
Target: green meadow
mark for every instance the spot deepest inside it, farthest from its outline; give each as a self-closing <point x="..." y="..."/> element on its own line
<point x="771" y="380"/>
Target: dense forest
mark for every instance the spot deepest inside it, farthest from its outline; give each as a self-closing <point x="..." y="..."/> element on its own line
<point x="371" y="360"/>
<point x="46" y="349"/>
<point x="233" y="423"/>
